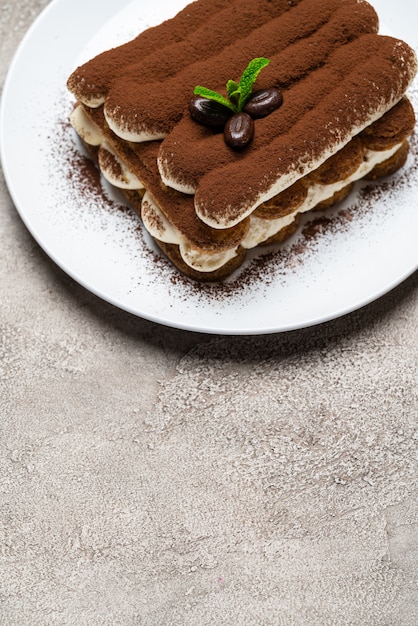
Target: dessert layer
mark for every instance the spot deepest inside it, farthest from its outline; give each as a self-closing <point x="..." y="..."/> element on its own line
<point x="91" y="81"/>
<point x="129" y="162"/>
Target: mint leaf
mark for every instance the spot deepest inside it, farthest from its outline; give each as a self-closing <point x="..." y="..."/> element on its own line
<point x="214" y="95"/>
<point x="238" y="93"/>
<point x="234" y="93"/>
<point x="231" y="87"/>
<point x="249" y="77"/>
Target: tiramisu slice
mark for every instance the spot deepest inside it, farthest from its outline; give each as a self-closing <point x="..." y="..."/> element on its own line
<point x="301" y="99"/>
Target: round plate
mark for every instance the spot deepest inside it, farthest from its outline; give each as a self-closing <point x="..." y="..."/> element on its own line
<point x="336" y="263"/>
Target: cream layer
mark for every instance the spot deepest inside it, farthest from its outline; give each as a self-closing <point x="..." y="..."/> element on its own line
<point x="111" y="165"/>
<point x="123" y="130"/>
<point x="115" y="170"/>
<point x="85" y="128"/>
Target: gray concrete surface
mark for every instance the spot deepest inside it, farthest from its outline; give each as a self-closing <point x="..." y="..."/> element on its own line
<point x="152" y="476"/>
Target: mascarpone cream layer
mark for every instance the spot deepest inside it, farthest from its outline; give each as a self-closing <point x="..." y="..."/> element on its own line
<point x="161" y="228"/>
<point x="124" y="131"/>
<point x="112" y="167"/>
<point x="115" y="170"/>
<point x="85" y="128"/>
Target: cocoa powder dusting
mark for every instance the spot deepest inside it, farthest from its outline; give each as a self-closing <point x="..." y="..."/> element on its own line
<point x="160" y="52"/>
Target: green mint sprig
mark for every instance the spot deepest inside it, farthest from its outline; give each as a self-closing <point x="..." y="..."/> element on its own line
<point x="238" y="93"/>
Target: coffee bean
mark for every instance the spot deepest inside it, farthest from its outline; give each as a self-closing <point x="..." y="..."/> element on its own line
<point x="208" y="112"/>
<point x="239" y="130"/>
<point x="263" y="102"/>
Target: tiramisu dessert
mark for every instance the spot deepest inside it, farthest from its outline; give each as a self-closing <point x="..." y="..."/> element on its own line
<point x="225" y="123"/>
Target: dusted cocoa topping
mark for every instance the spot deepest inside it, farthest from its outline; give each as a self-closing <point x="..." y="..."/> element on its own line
<point x="294" y="67"/>
<point x="194" y="34"/>
<point x="93" y="79"/>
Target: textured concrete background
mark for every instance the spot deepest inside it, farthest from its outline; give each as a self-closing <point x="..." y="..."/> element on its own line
<point x="151" y="476"/>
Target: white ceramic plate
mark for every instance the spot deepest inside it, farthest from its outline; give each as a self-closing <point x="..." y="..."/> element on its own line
<point x="367" y="248"/>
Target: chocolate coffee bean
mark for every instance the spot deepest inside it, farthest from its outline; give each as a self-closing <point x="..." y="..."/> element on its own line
<point x="263" y="102"/>
<point x="239" y="130"/>
<point x="208" y="112"/>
